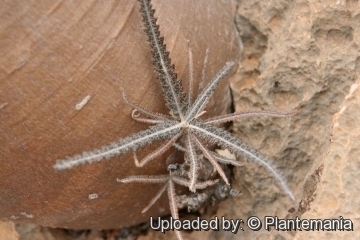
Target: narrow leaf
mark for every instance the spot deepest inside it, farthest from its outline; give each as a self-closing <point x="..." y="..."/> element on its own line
<point x="172" y="200"/>
<point x="157" y="196"/>
<point x="171" y="86"/>
<point x="145" y="179"/>
<point x="173" y="205"/>
<point x="225" y="160"/>
<point x="157" y="132"/>
<point x="144" y="120"/>
<point x="244" y="114"/>
<point x="199" y="185"/>
<point x="193" y="161"/>
<point x="212" y="160"/>
<point x="205" y="95"/>
<point x="191" y="74"/>
<point x="201" y="84"/>
<point x="225" y="140"/>
<point x="142" y="110"/>
<point x="163" y="148"/>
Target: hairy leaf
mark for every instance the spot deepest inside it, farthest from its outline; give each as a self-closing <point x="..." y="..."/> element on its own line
<point x="224" y="139"/>
<point x="158" y="132"/>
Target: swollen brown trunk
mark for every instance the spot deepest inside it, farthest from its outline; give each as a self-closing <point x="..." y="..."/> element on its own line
<point x="64" y="66"/>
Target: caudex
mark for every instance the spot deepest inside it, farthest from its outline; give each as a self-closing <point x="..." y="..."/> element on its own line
<point x="182" y="129"/>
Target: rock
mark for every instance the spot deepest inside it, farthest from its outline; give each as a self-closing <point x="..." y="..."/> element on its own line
<point x="299" y="55"/>
<point x="337" y="194"/>
<point x="64" y="66"/>
<point x="7" y="231"/>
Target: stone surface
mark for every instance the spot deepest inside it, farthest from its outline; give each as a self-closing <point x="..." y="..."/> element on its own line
<point x="337" y="194"/>
<point x="63" y="67"/>
<point x="301" y="55"/>
<point x="7" y="231"/>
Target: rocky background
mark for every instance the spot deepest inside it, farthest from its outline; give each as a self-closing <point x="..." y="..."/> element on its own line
<point x="298" y="55"/>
